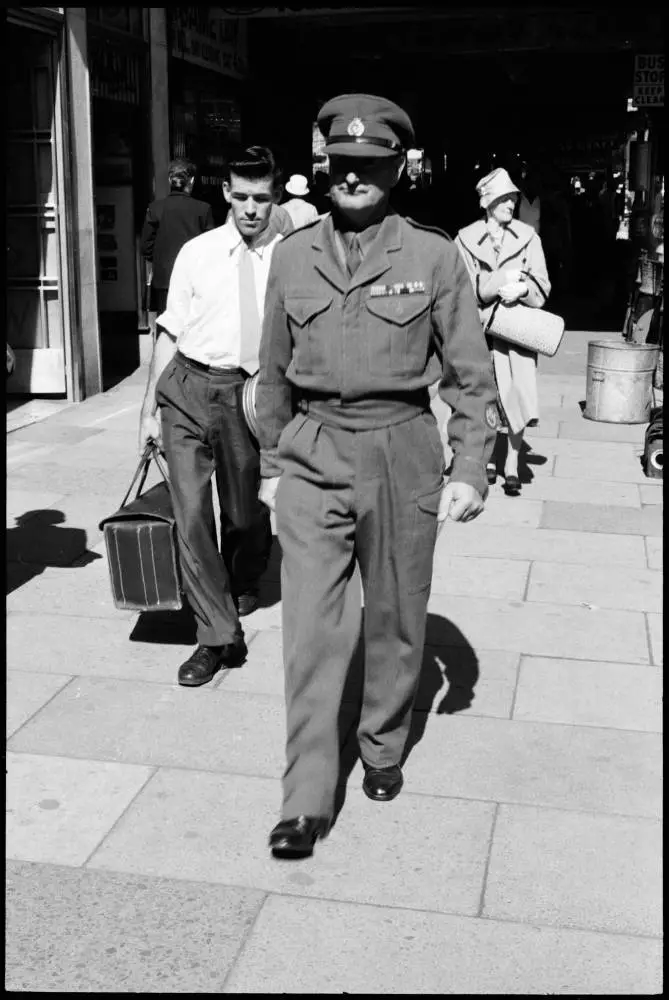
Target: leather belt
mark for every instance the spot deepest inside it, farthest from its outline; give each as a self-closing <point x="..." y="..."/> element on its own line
<point x="208" y="369"/>
<point x="365" y="414"/>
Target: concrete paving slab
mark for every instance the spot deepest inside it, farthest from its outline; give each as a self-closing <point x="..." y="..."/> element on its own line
<point x="588" y="547"/>
<point x="588" y="693"/>
<point x="581" y="491"/>
<point x="654" y="548"/>
<point x="576" y="870"/>
<point x="317" y="946"/>
<point x="452" y="680"/>
<point x="48" y="432"/>
<point x="541" y="764"/>
<point x="64" y="591"/>
<point x="480" y="577"/>
<point x="599" y="468"/>
<point x="547" y="427"/>
<point x="22" y="502"/>
<point x="573" y="632"/>
<point x="612" y="520"/>
<point x="521" y="513"/>
<point x="90" y="647"/>
<point x="79" y="931"/>
<point x="66" y="477"/>
<point x="652" y="493"/>
<point x="591" y="430"/>
<point x="624" y="587"/>
<point x="612" y="451"/>
<point x="264" y="618"/>
<point x="26" y="693"/>
<point x="160" y="725"/>
<point x="59" y="810"/>
<point x="215" y="827"/>
<point x="656" y="635"/>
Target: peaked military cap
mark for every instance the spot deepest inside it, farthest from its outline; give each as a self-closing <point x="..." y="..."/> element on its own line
<point x="364" y="125"/>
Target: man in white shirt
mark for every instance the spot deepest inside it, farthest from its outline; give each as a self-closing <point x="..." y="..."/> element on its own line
<point x="301" y="212"/>
<point x="207" y="346"/>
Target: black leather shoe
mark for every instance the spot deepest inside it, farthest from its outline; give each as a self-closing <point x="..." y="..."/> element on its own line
<point x="512" y="484"/>
<point x="203" y="665"/>
<point x="295" y="838"/>
<point x="382" y="784"/>
<point x="491" y="474"/>
<point x="246" y="603"/>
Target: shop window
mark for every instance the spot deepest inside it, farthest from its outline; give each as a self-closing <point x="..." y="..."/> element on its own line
<point x="131" y="20"/>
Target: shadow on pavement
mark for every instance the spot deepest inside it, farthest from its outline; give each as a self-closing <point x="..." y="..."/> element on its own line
<point x="166" y="628"/>
<point x="449" y="662"/>
<point x="38" y="541"/>
<point x="526" y="459"/>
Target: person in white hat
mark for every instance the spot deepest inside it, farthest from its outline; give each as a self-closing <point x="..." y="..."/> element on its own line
<point x="505" y="260"/>
<point x="300" y="211"/>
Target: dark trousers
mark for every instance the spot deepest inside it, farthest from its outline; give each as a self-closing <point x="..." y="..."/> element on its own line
<point x="368" y="497"/>
<point x="204" y="431"/>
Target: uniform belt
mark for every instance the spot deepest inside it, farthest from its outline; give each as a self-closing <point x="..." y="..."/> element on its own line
<point x="209" y="369"/>
<point x="370" y="413"/>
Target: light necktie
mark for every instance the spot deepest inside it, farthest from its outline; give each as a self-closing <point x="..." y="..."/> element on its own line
<point x="354" y="256"/>
<point x="250" y="322"/>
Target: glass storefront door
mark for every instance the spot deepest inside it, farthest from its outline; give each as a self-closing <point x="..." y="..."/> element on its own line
<point x="35" y="322"/>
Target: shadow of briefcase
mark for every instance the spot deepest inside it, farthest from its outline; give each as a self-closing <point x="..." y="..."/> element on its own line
<point x="142" y="548"/>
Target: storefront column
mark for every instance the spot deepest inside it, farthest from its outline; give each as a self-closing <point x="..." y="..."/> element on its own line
<point x="86" y="332"/>
<point x="160" y="118"/>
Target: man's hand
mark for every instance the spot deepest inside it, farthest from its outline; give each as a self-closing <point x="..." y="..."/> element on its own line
<point x="460" y="502"/>
<point x="267" y="492"/>
<point x="150" y="430"/>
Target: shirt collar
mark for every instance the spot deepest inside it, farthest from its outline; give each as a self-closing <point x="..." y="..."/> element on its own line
<point x="235" y="238"/>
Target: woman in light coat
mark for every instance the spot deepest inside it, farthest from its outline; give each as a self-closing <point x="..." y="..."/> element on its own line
<point x="506" y="262"/>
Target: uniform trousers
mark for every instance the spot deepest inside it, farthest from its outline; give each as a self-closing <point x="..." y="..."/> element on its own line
<point x="369" y="497"/>
<point x="204" y="432"/>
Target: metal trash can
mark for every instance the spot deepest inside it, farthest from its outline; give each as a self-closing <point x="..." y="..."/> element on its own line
<point x="619" y="386"/>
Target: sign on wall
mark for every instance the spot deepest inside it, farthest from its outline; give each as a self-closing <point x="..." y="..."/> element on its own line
<point x="201" y="37"/>
<point x="649" y="81"/>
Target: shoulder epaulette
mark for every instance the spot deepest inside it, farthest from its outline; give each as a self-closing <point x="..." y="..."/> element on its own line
<point x="429" y="229"/>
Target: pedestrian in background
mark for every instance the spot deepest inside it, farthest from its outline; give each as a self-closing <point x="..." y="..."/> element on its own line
<point x="300" y="210"/>
<point x="169" y="223"/>
<point x="207" y="348"/>
<point x="506" y="262"/>
<point x="365" y="310"/>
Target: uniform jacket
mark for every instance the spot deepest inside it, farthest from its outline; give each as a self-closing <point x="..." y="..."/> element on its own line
<point x="169" y="223"/>
<point x="361" y="337"/>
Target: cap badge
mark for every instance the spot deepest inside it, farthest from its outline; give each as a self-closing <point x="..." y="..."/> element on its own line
<point x="356" y="128"/>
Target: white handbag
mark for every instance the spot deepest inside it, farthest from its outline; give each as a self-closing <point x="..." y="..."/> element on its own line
<point x="533" y="329"/>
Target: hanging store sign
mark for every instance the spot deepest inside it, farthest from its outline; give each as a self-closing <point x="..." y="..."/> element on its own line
<point x="649" y="81"/>
<point x="204" y="39"/>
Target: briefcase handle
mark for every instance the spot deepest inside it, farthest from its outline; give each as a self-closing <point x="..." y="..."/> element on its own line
<point x="150" y="453"/>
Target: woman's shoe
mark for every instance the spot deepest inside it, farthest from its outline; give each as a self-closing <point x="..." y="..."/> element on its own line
<point x="491" y="473"/>
<point x="512" y="484"/>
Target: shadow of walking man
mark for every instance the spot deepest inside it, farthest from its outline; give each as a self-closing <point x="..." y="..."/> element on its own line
<point x="449" y="674"/>
<point x="38" y="541"/>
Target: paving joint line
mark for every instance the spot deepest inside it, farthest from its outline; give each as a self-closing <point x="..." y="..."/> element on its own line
<point x="276" y="779"/>
<point x="486" y="867"/>
<point x="153" y="772"/>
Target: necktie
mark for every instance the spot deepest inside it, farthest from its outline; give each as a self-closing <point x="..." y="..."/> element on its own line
<point x="250" y="323"/>
<point x="354" y="256"/>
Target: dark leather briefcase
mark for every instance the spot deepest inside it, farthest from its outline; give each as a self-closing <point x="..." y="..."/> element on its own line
<point x="141" y="540"/>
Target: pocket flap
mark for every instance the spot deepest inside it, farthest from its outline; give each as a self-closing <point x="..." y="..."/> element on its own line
<point x="429" y="502"/>
<point x="399" y="309"/>
<point x="301" y="310"/>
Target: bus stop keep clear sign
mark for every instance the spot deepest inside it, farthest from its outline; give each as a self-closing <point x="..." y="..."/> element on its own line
<point x="649" y="81"/>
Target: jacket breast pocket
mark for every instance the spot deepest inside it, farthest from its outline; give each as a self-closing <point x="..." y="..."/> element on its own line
<point x="310" y="321"/>
<point x="398" y="329"/>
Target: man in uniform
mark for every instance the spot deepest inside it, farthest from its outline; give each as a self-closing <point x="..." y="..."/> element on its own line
<point x="364" y="311"/>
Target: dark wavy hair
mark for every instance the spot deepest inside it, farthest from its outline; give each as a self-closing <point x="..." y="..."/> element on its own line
<point x="179" y="172"/>
<point x="254" y="164"/>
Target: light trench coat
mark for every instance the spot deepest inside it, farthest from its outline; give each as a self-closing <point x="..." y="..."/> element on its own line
<point x="515" y="368"/>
